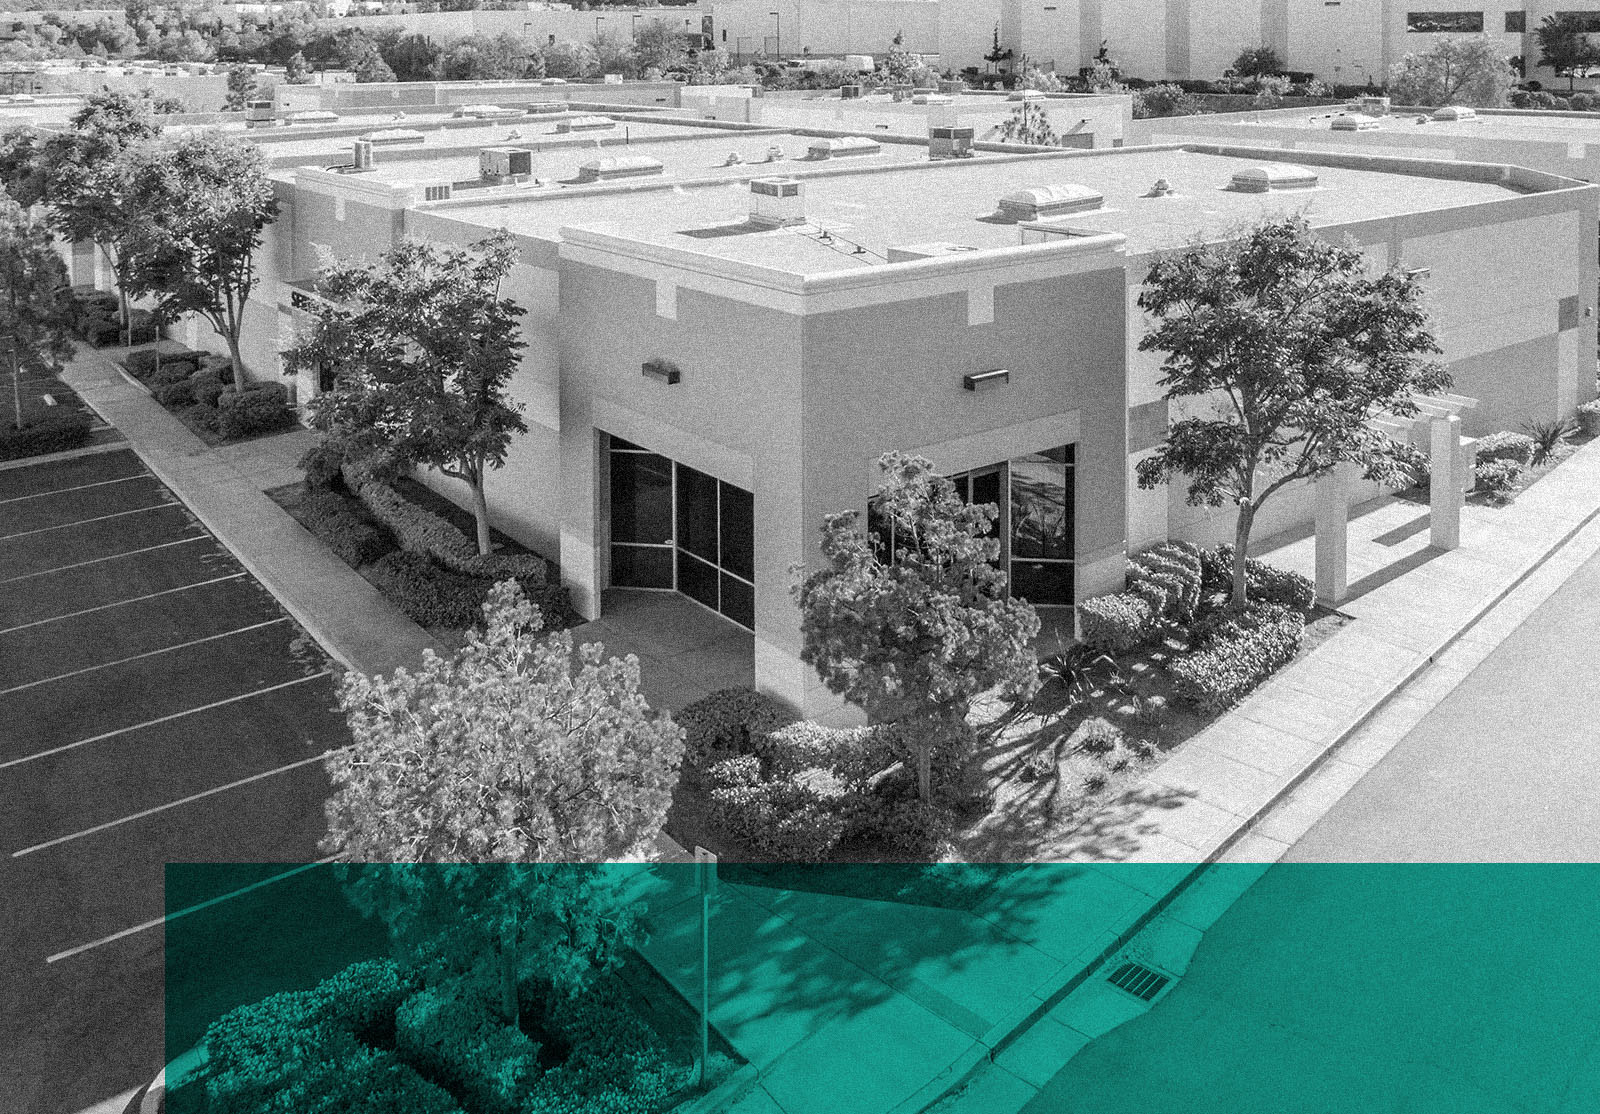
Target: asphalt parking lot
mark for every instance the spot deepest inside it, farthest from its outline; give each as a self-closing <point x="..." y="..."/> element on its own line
<point x="156" y="706"/>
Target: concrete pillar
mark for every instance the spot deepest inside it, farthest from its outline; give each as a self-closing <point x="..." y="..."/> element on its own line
<point x="580" y="513"/>
<point x="1445" y="499"/>
<point x="1333" y="519"/>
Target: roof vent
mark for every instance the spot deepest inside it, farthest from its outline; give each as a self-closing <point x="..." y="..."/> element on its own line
<point x="932" y="98"/>
<point x="585" y="124"/>
<point x="363" y="156"/>
<point x="619" y="166"/>
<point x="505" y="164"/>
<point x="1037" y="202"/>
<point x="776" y="202"/>
<point x="774" y="154"/>
<point x="842" y="147"/>
<point x="1455" y="112"/>
<point x="390" y="137"/>
<point x="1355" y="124"/>
<point x="1162" y="188"/>
<point x="1272" y="177"/>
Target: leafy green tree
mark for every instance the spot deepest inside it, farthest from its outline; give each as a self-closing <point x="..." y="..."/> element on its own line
<point x="1257" y="61"/>
<point x="658" y="46"/>
<point x="241" y="88"/>
<point x="569" y="59"/>
<point x="1564" y="44"/>
<point x="22" y="172"/>
<point x="1028" y="123"/>
<point x="296" y="71"/>
<point x="35" y="309"/>
<point x="424" y="347"/>
<point x="86" y="173"/>
<point x="1464" y="71"/>
<point x="412" y="57"/>
<point x="203" y="201"/>
<point x="515" y="750"/>
<point x="1279" y="350"/>
<point x="915" y="635"/>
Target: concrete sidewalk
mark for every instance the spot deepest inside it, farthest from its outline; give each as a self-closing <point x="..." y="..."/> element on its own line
<point x="223" y="487"/>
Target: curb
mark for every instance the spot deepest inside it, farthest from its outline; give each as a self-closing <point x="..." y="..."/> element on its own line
<point x="68" y="454"/>
<point x="307" y="622"/>
<point x="1069" y="980"/>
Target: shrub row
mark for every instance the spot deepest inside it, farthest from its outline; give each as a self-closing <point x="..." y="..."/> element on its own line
<point x="260" y="409"/>
<point x="448" y="1034"/>
<point x="727" y="723"/>
<point x="1164" y="582"/>
<point x="1174" y="569"/>
<point x="434" y="596"/>
<point x="354" y="539"/>
<point x="58" y="430"/>
<point x="1239" y="648"/>
<point x="1505" y="445"/>
<point x="1264" y="583"/>
<point x="1116" y="623"/>
<point x="311" y="1051"/>
<point x="615" y="1063"/>
<point x="419" y="530"/>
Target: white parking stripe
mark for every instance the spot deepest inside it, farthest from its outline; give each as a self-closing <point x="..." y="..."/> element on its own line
<point x="190" y="799"/>
<point x="123" y="603"/>
<point x="80" y="487"/>
<point x="146" y="654"/>
<point x="98" y="560"/>
<point x="161" y="719"/>
<point x="87" y="521"/>
<point x="147" y="925"/>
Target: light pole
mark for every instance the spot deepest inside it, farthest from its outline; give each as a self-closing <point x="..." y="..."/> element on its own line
<point x="598" y="20"/>
<point x="777" y="45"/>
<point x="633" y="26"/>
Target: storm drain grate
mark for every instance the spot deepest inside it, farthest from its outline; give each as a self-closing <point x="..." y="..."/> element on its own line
<point x="1138" y="980"/>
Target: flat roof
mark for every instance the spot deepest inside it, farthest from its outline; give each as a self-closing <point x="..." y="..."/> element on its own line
<point x="1549" y="129"/>
<point x="880" y="115"/>
<point x="948" y="201"/>
<point x="686" y="151"/>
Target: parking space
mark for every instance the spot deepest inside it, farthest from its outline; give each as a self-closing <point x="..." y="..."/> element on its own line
<point x="156" y="705"/>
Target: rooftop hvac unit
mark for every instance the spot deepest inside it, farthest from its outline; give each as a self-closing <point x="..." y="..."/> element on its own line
<point x="1455" y="112"/>
<point x="1039" y="202"/>
<point x="258" y="112"/>
<point x="502" y="163"/>
<point x="390" y="137"/>
<point x="585" y="124"/>
<point x="620" y="166"/>
<point x="949" y="142"/>
<point x="436" y="191"/>
<point x="776" y="202"/>
<point x="363" y="155"/>
<point x="849" y="92"/>
<point x="1355" y="124"/>
<point x="842" y="147"/>
<point x="1373" y="106"/>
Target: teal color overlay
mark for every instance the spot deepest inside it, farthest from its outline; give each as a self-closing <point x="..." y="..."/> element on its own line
<point x="864" y="987"/>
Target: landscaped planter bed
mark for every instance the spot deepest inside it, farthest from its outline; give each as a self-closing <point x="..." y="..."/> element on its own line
<point x="198" y="388"/>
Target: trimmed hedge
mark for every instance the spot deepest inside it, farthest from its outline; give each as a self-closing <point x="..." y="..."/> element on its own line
<point x="59" y="430"/>
<point x="207" y="387"/>
<point x="173" y="371"/>
<point x="449" y="1034"/>
<point x="1239" y="648"/>
<point x="1505" y="445"/>
<point x="726" y="723"/>
<point x="791" y="817"/>
<point x="1115" y="623"/>
<point x="1263" y="582"/>
<point x="438" y="597"/>
<point x="321" y="463"/>
<point x="615" y="1063"/>
<point x="354" y="539"/>
<point x="259" y="409"/>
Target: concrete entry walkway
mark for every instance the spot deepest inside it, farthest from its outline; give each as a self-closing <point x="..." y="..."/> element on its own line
<point x="685" y="651"/>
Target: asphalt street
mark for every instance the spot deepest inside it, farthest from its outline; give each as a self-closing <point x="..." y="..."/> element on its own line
<point x="156" y="706"/>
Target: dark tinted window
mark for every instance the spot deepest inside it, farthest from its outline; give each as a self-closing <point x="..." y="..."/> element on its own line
<point x="738" y="531"/>
<point x="738" y="601"/>
<point x="634" y="566"/>
<point x="697" y="513"/>
<point x="697" y="580"/>
<point x="1042" y="582"/>
<point x="641" y="498"/>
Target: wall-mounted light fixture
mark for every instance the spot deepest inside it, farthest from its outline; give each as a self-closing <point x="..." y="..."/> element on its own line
<point x="1420" y="272"/>
<point x="986" y="380"/>
<point x="664" y="370"/>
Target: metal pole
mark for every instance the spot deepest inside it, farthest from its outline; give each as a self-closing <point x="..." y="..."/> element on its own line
<point x="705" y="982"/>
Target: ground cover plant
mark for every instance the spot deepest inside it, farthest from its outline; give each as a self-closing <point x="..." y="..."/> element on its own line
<point x="409" y="543"/>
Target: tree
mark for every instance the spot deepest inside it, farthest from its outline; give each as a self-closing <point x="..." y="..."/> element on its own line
<point x="368" y="65"/>
<point x="412" y="57"/>
<point x="423" y="347"/>
<point x="241" y="88"/>
<point x="86" y="175"/>
<point x="515" y="750"/>
<point x="1257" y="61"/>
<point x="1465" y="71"/>
<point x="295" y="71"/>
<point x="914" y="634"/>
<point x="1295" y="349"/>
<point x="1564" y="45"/>
<point x="569" y="59"/>
<point x="35" y="309"/>
<point x="658" y="46"/>
<point x="1028" y="123"/>
<point x="204" y="200"/>
<point x="480" y="57"/>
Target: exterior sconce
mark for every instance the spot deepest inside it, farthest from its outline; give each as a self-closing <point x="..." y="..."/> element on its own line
<point x="664" y="370"/>
<point x="1420" y="272"/>
<point x="986" y="380"/>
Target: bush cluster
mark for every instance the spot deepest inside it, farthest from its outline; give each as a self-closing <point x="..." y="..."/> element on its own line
<point x="727" y="723"/>
<point x="438" y="597"/>
<point x="1174" y="568"/>
<point x="1116" y="623"/>
<point x="1263" y="582"/>
<point x="142" y="364"/>
<point x="1164" y="583"/>
<point x="1499" y="477"/>
<point x="1589" y="417"/>
<point x="322" y="464"/>
<point x="355" y="539"/>
<point x="58" y="430"/>
<point x="615" y="1063"/>
<point x="1505" y="445"/>
<point x="449" y="1035"/>
<point x="263" y="408"/>
<point x="1238" y="649"/>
